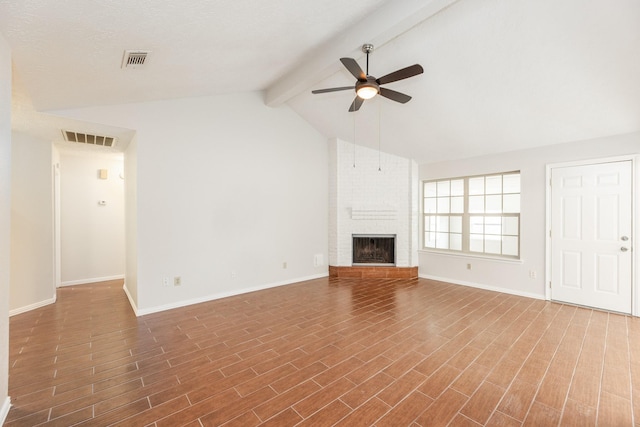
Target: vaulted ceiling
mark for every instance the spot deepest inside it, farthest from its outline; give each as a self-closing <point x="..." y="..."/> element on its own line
<point x="500" y="75"/>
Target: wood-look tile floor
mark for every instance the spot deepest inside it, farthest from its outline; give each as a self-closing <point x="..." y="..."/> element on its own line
<point x="347" y="352"/>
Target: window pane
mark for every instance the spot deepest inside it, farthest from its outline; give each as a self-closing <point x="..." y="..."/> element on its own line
<point x="455" y="224"/>
<point x="442" y="224"/>
<point x="492" y="244"/>
<point x="443" y="205"/>
<point x="443" y="188"/>
<point x="512" y="203"/>
<point x="476" y="185"/>
<point x="430" y="240"/>
<point x="476" y="224"/>
<point x="442" y="240"/>
<point x="494" y="184"/>
<point x="429" y="189"/>
<point x="493" y="225"/>
<point x="476" y="204"/>
<point x="429" y="223"/>
<point x="494" y="204"/>
<point x="476" y="243"/>
<point x="457" y="205"/>
<point x="510" y="225"/>
<point x="430" y="205"/>
<point x="511" y="183"/>
<point x="510" y="245"/>
<point x="455" y="241"/>
<point x="457" y="187"/>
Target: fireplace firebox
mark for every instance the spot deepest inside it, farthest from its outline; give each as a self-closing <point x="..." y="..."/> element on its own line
<point x="378" y="249"/>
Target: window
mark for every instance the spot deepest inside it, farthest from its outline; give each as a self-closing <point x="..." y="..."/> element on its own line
<point x="476" y="214"/>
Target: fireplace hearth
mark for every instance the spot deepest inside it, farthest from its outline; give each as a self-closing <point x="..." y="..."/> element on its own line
<point x="374" y="249"/>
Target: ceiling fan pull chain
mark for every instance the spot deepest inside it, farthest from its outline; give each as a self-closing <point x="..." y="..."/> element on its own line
<point x="354" y="140"/>
<point x="379" y="136"/>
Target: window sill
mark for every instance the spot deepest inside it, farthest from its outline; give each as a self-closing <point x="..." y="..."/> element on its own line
<point x="474" y="256"/>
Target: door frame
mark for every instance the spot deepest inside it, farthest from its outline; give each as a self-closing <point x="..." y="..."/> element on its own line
<point x="635" y="197"/>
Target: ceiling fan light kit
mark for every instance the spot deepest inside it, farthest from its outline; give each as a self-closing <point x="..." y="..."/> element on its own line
<point x="367" y="90"/>
<point x="367" y="86"/>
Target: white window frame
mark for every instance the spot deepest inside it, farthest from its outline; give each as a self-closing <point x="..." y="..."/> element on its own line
<point x="434" y="224"/>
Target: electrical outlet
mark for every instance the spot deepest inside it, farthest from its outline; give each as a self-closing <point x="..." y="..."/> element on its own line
<point x="234" y="274"/>
<point x="533" y="274"/>
<point x="468" y="266"/>
<point x="284" y="265"/>
<point x="165" y="281"/>
<point x="318" y="260"/>
<point x="177" y="281"/>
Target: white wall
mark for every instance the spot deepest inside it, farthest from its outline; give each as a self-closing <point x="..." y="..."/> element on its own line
<point x="131" y="220"/>
<point x="509" y="276"/>
<point x="55" y="161"/>
<point x="5" y="221"/>
<point x="92" y="235"/>
<point x="32" y="261"/>
<point x="227" y="191"/>
<point x="376" y="196"/>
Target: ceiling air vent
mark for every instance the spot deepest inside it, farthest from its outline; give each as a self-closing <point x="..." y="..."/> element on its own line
<point x="134" y="59"/>
<point x="86" y="138"/>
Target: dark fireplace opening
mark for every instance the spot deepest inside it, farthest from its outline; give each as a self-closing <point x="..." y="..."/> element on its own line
<point x="374" y="249"/>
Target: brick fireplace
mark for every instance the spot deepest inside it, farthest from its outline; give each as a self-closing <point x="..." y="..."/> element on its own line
<point x="366" y="201"/>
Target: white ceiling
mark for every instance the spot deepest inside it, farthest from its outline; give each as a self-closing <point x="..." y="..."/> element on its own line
<point x="499" y="75"/>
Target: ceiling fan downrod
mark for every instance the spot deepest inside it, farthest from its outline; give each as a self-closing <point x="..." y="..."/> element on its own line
<point x="367" y="48"/>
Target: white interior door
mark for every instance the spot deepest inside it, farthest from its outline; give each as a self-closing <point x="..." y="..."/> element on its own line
<point x="591" y="218"/>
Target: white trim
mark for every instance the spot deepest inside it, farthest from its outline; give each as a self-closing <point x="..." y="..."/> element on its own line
<point x="130" y="298"/>
<point x="635" y="199"/>
<point x="635" y="206"/>
<point x="179" y="304"/>
<point x="32" y="306"/>
<point x="93" y="280"/>
<point x="4" y="410"/>
<point x="472" y="255"/>
<point x="482" y="286"/>
<point x="547" y="230"/>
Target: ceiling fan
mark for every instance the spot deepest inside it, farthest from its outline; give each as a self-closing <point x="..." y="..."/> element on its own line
<point x="367" y="86"/>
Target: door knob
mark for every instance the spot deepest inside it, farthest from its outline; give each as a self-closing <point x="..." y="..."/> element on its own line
<point x="624" y="238"/>
<point x="624" y="249"/>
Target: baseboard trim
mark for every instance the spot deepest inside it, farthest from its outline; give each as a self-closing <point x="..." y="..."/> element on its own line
<point x="179" y="304"/>
<point x="482" y="286"/>
<point x="130" y="298"/>
<point x="4" y="410"/>
<point x="32" y="307"/>
<point x="93" y="280"/>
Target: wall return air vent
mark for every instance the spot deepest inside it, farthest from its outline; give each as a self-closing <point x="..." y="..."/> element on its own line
<point x="135" y="59"/>
<point x="87" y="138"/>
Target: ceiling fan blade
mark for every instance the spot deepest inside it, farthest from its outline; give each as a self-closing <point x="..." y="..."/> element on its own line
<point x="353" y="67"/>
<point x="356" y="104"/>
<point x="403" y="73"/>
<point x="333" y="89"/>
<point x="394" y="96"/>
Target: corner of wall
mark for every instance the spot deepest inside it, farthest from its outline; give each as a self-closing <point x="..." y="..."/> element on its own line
<point x="414" y="220"/>
<point x="5" y="220"/>
<point x="31" y="222"/>
<point x="4" y="410"/>
<point x="131" y="221"/>
<point x="333" y="201"/>
<point x="132" y="301"/>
